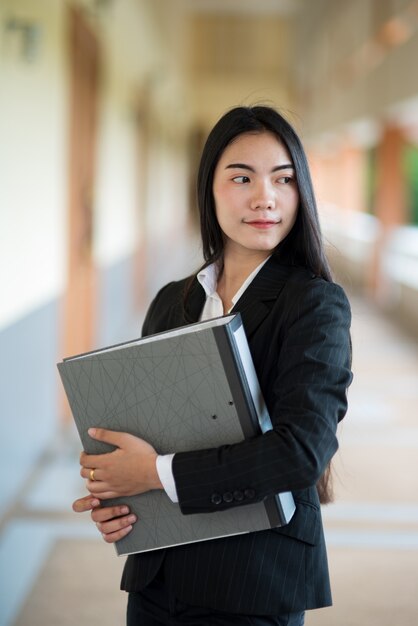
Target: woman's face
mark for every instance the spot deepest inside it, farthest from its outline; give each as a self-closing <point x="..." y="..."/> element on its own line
<point x="256" y="195"/>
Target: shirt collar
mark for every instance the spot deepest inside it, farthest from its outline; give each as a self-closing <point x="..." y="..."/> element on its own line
<point x="208" y="278"/>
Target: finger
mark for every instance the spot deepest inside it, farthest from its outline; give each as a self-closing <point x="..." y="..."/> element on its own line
<point x="91" y="474"/>
<point x="112" y="537"/>
<point x="92" y="461"/>
<point x="99" y="489"/>
<point x="116" y="524"/>
<point x="87" y="503"/>
<point x="107" y="436"/>
<point x="102" y="492"/>
<point x="106" y="513"/>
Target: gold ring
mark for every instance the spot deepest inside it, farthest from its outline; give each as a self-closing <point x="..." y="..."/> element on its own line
<point x="92" y="475"/>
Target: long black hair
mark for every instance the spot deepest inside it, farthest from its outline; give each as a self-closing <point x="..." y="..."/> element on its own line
<point x="303" y="245"/>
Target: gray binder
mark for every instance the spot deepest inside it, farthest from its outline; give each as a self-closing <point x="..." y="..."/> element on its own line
<point x="185" y="389"/>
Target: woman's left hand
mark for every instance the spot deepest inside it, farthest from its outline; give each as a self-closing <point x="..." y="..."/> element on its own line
<point x="126" y="471"/>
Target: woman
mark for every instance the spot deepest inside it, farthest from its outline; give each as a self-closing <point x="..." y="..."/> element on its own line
<point x="264" y="258"/>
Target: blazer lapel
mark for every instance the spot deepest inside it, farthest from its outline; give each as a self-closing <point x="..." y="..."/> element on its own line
<point x="257" y="300"/>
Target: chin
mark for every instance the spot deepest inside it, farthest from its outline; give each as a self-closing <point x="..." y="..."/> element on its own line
<point x="265" y="246"/>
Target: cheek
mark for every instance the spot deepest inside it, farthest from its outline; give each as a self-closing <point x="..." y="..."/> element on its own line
<point x="224" y="206"/>
<point x="224" y="220"/>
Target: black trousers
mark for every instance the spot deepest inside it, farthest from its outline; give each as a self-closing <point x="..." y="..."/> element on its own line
<point x="158" y="606"/>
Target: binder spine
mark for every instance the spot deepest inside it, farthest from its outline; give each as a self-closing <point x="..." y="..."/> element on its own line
<point x="279" y="508"/>
<point x="234" y="371"/>
<point x="275" y="512"/>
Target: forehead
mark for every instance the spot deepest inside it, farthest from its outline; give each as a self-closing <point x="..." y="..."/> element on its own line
<point x="252" y="145"/>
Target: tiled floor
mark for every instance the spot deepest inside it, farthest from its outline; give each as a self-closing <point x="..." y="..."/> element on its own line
<point x="55" y="571"/>
<point x="372" y="530"/>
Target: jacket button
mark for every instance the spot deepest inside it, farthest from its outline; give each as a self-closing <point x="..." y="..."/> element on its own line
<point x="228" y="497"/>
<point x="249" y="494"/>
<point x="216" y="498"/>
<point x="238" y="495"/>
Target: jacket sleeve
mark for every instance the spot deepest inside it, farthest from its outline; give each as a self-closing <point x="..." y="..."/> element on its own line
<point x="306" y="396"/>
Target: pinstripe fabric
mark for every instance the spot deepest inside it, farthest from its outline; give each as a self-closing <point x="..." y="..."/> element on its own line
<point x="298" y="330"/>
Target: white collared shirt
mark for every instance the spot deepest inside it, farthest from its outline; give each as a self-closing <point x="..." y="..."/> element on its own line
<point x="213" y="307"/>
<point x="208" y="278"/>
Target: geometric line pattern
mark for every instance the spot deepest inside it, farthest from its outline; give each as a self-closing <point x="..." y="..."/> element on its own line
<point x="174" y="394"/>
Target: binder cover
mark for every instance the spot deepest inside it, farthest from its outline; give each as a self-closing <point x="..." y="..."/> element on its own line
<point x="185" y="389"/>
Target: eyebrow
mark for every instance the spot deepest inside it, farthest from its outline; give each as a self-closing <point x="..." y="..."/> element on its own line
<point x="244" y="166"/>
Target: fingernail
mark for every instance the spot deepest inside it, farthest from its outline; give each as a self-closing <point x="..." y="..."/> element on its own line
<point x="91" y="432"/>
<point x="95" y="502"/>
<point x="131" y="519"/>
<point x="124" y="510"/>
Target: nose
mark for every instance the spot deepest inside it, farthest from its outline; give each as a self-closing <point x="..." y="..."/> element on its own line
<point x="263" y="198"/>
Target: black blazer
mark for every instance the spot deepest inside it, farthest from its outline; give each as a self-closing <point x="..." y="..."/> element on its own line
<point x="298" y="330"/>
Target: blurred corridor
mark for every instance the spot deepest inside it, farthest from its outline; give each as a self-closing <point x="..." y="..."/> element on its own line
<point x="104" y="108"/>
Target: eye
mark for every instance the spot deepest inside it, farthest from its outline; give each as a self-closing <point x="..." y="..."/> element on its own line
<point x="241" y="179"/>
<point x="285" y="180"/>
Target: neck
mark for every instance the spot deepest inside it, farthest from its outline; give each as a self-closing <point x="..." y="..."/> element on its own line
<point x="235" y="271"/>
<point x="237" y="267"/>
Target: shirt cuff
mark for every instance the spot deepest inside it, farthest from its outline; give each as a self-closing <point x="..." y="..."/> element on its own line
<point x="165" y="473"/>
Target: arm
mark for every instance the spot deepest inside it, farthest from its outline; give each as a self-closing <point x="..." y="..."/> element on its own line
<point x="305" y="390"/>
<point x="129" y="469"/>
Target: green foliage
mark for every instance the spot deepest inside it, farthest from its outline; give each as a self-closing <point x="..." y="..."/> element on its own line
<point x="370" y="180"/>
<point x="410" y="165"/>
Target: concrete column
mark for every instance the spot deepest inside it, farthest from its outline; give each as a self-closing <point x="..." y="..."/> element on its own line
<point x="390" y="204"/>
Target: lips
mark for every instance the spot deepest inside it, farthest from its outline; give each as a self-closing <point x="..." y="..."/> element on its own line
<point x="262" y="224"/>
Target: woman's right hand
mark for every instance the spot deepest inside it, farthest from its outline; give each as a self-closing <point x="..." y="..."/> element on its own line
<point x="114" y="522"/>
